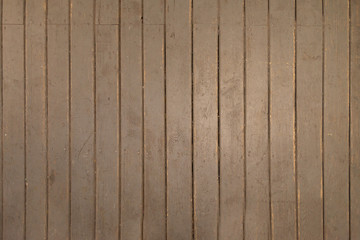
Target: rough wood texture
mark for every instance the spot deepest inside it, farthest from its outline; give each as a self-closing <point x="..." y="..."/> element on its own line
<point x="178" y="120"/>
<point x="336" y="120"/>
<point x="282" y="119"/>
<point x="354" y="120"/>
<point x="309" y="119"/>
<point x="257" y="221"/>
<point x="82" y="121"/>
<point x="154" y="121"/>
<point x="205" y="123"/>
<point x="164" y="119"/>
<point x="231" y="119"/>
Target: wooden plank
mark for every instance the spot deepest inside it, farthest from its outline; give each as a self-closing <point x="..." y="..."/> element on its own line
<point x="107" y="120"/>
<point x="13" y="121"/>
<point x="355" y="116"/>
<point x="336" y="120"/>
<point x="58" y="12"/>
<point x="1" y="124"/>
<point x="107" y="12"/>
<point x="58" y="127"/>
<point x="13" y="12"/>
<point x="282" y="119"/>
<point x="82" y="121"/>
<point x="131" y="120"/>
<point x="205" y="108"/>
<point x="309" y="119"/>
<point x="231" y="111"/>
<point x="154" y="122"/>
<point x="178" y="120"/>
<point x="36" y="126"/>
<point x="107" y="130"/>
<point x="257" y="221"/>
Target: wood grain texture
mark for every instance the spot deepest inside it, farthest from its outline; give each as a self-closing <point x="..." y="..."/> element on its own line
<point x="205" y="108"/>
<point x="82" y="121"/>
<point x="257" y="222"/>
<point x="178" y="120"/>
<point x="231" y="114"/>
<point x="354" y="121"/>
<point x="309" y="119"/>
<point x="282" y="119"/>
<point x="336" y="120"/>
<point x="131" y="120"/>
<point x="14" y="133"/>
<point x="13" y="213"/>
<point x="107" y="130"/>
<point x="154" y="121"/>
<point x="36" y="120"/>
<point x="58" y="129"/>
<point x="164" y="119"/>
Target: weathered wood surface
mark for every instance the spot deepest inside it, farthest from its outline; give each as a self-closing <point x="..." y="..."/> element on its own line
<point x="161" y="119"/>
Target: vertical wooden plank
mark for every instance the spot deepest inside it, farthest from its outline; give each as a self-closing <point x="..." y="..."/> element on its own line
<point x="154" y="122"/>
<point x="82" y="120"/>
<point x="1" y="122"/>
<point x="13" y="120"/>
<point x="178" y="119"/>
<point x="13" y="12"/>
<point x="309" y="118"/>
<point x="205" y="104"/>
<point x="58" y="120"/>
<point x="107" y="124"/>
<point x="231" y="113"/>
<point x="282" y="122"/>
<point x="131" y="120"/>
<point x="58" y="12"/>
<point x="36" y="156"/>
<point x="355" y="116"/>
<point x="336" y="120"/>
<point x="257" y="221"/>
<point x="107" y="12"/>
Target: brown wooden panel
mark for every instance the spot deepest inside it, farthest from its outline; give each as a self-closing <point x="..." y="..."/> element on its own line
<point x="282" y="119"/>
<point x="58" y="131"/>
<point x="205" y="109"/>
<point x="36" y="120"/>
<point x="257" y="222"/>
<point x="231" y="113"/>
<point x="309" y="119"/>
<point x="107" y="12"/>
<point x="131" y="120"/>
<point x="336" y="120"/>
<point x="58" y="12"/>
<point x="13" y="11"/>
<point x="178" y="120"/>
<point x="154" y="122"/>
<point x="355" y="119"/>
<point x="82" y="121"/>
<point x="107" y="132"/>
<point x="1" y="125"/>
<point x="14" y="133"/>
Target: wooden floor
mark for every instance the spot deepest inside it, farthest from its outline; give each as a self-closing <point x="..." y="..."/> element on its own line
<point x="180" y="120"/>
